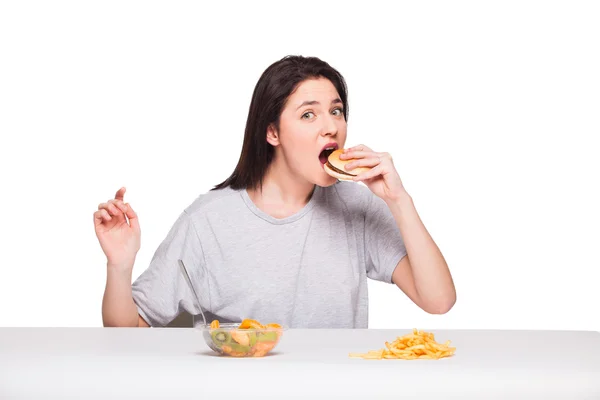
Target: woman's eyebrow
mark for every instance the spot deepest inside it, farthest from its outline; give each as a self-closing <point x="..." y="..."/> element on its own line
<point x="312" y="102"/>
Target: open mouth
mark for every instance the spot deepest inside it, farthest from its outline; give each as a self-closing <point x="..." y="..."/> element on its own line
<point x="327" y="150"/>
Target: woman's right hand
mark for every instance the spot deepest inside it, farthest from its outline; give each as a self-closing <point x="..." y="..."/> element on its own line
<point x="118" y="237"/>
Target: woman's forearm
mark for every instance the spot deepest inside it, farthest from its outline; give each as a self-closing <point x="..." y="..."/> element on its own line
<point x="432" y="278"/>
<point x="118" y="308"/>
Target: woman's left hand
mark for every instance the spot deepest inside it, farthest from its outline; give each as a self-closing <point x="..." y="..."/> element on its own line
<point x="383" y="179"/>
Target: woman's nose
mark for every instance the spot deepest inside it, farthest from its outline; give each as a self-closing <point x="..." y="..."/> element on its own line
<point x="329" y="127"/>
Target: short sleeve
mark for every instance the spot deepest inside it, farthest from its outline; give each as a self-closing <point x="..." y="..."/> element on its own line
<point x="161" y="292"/>
<point x="384" y="245"/>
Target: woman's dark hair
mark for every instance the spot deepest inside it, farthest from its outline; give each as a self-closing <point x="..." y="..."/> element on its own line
<point x="272" y="90"/>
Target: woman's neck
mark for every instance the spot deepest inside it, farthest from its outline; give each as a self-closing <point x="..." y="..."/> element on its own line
<point x="282" y="194"/>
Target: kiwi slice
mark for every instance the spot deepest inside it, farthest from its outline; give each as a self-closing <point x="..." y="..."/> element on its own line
<point x="238" y="348"/>
<point x="267" y="337"/>
<point x="253" y="338"/>
<point x="220" y="337"/>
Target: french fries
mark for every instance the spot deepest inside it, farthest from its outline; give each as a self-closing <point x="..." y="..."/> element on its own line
<point x="418" y="345"/>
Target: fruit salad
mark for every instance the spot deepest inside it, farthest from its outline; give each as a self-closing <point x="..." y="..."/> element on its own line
<point x="249" y="339"/>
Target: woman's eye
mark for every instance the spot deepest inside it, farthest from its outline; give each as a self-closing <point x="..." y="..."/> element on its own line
<point x="308" y="115"/>
<point x="337" y="112"/>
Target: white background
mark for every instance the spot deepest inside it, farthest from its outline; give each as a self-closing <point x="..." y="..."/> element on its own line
<point x="490" y="110"/>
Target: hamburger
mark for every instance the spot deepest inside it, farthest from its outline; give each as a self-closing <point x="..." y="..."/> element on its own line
<point x="335" y="167"/>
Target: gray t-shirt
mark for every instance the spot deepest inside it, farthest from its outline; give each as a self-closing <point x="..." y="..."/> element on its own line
<point x="308" y="270"/>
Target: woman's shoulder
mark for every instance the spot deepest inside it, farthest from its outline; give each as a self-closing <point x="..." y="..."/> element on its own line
<point x="212" y="201"/>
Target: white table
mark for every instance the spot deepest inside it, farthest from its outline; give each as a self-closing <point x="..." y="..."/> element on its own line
<point x="175" y="363"/>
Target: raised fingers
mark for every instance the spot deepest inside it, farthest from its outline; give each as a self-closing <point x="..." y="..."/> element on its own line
<point x="120" y="194"/>
<point x="120" y="205"/>
<point x="132" y="216"/>
<point x="114" y="207"/>
<point x="110" y="208"/>
<point x="101" y="216"/>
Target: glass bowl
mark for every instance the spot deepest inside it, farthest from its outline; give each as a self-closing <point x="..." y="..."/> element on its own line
<point x="228" y="339"/>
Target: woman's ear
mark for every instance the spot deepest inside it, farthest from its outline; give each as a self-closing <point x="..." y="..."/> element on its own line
<point x="272" y="135"/>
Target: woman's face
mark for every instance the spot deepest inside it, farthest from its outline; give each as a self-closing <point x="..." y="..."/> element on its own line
<point x="312" y="120"/>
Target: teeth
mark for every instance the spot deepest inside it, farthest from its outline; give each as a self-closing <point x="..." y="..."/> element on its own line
<point x="329" y="148"/>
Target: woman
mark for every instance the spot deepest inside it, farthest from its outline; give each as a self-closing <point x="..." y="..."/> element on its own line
<point x="280" y="240"/>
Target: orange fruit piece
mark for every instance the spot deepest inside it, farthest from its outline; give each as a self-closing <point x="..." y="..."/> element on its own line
<point x="214" y="324"/>
<point x="250" y="324"/>
<point x="273" y="325"/>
